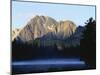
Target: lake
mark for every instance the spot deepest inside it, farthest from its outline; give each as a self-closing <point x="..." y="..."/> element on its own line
<point x="47" y="65"/>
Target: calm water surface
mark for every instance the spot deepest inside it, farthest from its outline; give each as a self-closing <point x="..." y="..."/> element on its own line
<point x="47" y="65"/>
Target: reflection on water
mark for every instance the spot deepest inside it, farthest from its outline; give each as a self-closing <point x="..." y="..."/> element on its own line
<point x="47" y="65"/>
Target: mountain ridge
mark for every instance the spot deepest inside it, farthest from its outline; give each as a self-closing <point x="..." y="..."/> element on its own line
<point x="46" y="30"/>
<point x="41" y="25"/>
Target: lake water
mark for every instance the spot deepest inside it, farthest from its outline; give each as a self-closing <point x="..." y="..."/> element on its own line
<point x="45" y="65"/>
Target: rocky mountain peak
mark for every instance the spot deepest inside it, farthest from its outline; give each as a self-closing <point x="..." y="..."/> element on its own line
<point x="40" y="26"/>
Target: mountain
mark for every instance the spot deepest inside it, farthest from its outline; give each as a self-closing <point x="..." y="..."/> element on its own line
<point x="47" y="29"/>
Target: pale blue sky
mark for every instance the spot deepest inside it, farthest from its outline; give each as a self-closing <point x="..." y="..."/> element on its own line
<point x="22" y="12"/>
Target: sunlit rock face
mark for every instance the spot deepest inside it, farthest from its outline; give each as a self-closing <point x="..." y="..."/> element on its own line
<point x="41" y="25"/>
<point x="65" y="29"/>
<point x="15" y="32"/>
